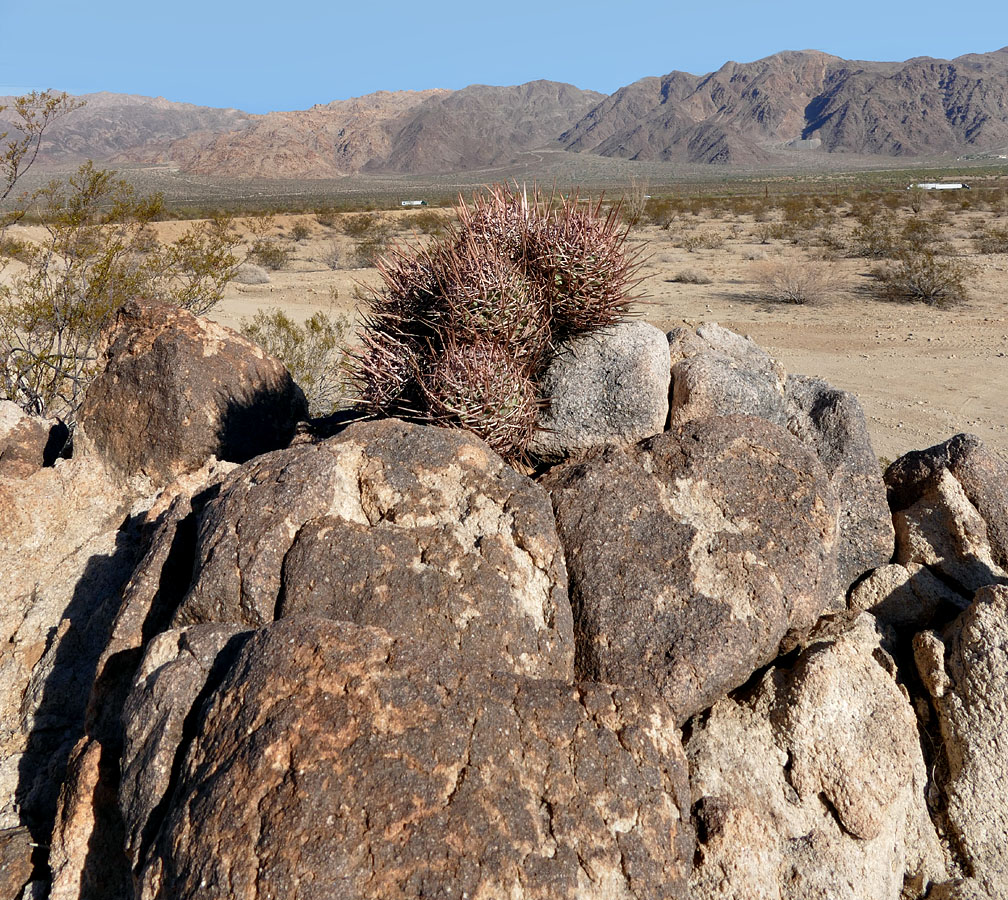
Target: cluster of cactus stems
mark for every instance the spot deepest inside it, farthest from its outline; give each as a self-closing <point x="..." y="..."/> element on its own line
<point x="461" y="330"/>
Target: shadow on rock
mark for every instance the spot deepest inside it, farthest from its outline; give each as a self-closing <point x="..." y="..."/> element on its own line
<point x="61" y="683"/>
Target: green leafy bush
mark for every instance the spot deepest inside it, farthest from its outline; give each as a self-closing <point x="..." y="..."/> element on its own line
<point x="269" y="254"/>
<point x="97" y="250"/>
<point x="314" y="353"/>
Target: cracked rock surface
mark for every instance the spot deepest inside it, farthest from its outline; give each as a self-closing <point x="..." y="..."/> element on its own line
<point x="811" y="783"/>
<point x="694" y="554"/>
<point x="981" y="477"/>
<point x="419" y="530"/>
<point x="965" y="670"/>
<point x="718" y="372"/>
<point x="365" y="769"/>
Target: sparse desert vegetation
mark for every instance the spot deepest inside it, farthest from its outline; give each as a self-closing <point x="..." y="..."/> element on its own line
<point x="911" y="352"/>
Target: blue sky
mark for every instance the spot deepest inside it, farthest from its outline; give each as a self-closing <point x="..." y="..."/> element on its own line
<point x="289" y="55"/>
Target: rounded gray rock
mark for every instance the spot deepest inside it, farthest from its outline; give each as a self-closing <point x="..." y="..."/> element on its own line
<point x="609" y="386"/>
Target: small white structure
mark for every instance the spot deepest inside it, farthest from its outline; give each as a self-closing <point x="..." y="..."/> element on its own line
<point x="939" y="186"/>
<point x="414" y="203"/>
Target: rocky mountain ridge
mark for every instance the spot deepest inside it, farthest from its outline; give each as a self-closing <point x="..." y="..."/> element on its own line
<point x="789" y="105"/>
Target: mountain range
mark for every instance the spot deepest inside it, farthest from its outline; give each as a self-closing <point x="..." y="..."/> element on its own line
<point x="743" y="114"/>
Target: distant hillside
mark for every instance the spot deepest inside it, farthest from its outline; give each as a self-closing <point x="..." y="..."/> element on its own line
<point x="744" y="114"/>
<point x="111" y="124"/>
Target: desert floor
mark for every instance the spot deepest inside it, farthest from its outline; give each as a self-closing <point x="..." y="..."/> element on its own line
<point x="922" y="373"/>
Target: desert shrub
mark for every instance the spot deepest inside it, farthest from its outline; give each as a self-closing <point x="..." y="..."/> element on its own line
<point x="922" y="276"/>
<point x="461" y="329"/>
<point x="361" y="225"/>
<point x="428" y="221"/>
<point x="12" y="248"/>
<point x="991" y="240"/>
<point x="918" y="233"/>
<point x="634" y="202"/>
<point x="702" y="240"/>
<point x="690" y="276"/>
<point x="97" y="251"/>
<point x="370" y="249"/>
<point x="314" y="353"/>
<point x="875" y="236"/>
<point x="269" y="254"/>
<point x="327" y="218"/>
<point x="661" y="211"/>
<point x="250" y="273"/>
<point x="795" y="281"/>
<point x="300" y="230"/>
<point x="332" y="256"/>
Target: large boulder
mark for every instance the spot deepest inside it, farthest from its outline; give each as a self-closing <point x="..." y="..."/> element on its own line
<point x="981" y="473"/>
<point x="718" y="372"/>
<point x="812" y="783"/>
<point x="695" y="554"/>
<point x="420" y="530"/>
<point x="177" y="389"/>
<point x="965" y="670"/>
<point x="368" y="767"/>
<point x="609" y="386"/>
<point x="950" y="508"/>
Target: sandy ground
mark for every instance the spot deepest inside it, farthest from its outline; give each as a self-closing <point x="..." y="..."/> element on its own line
<point x="921" y="373"/>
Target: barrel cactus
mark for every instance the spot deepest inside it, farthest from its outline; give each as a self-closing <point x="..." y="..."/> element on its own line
<point x="460" y="331"/>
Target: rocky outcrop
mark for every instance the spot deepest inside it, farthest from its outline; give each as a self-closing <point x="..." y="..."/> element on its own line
<point x="606" y="387"/>
<point x="718" y="372"/>
<point x="86" y="857"/>
<point x="812" y="783"/>
<point x="176" y="390"/>
<point x="965" y="671"/>
<point x="27" y="442"/>
<point x="832" y="423"/>
<point x="944" y="531"/>
<point x="907" y="598"/>
<point x="420" y="530"/>
<point x="694" y="555"/>
<point x="178" y="667"/>
<point x="15" y="860"/>
<point x="422" y="673"/>
<point x="950" y="505"/>
<point x="64" y="556"/>
<point x="370" y="768"/>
